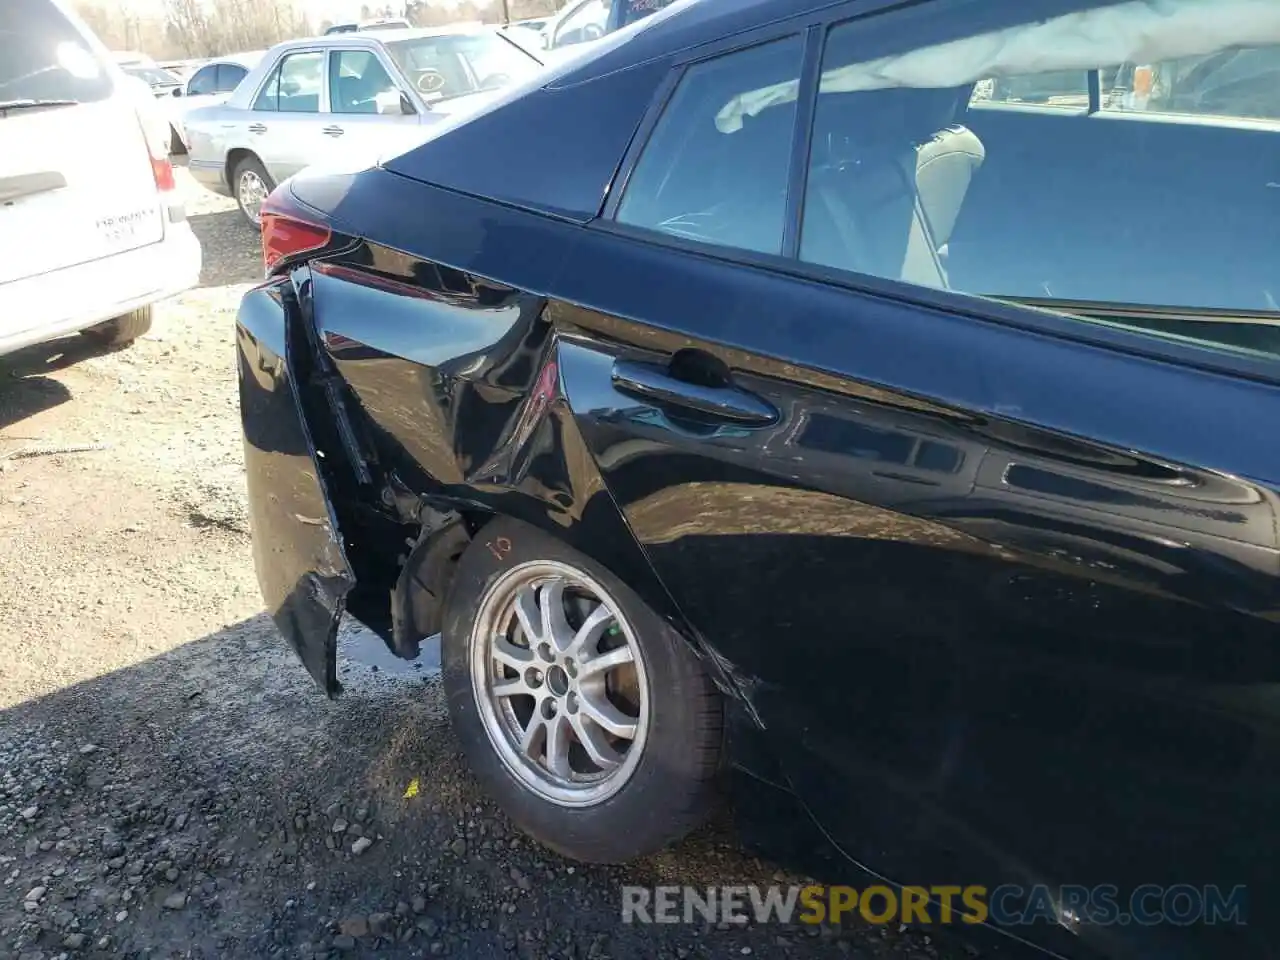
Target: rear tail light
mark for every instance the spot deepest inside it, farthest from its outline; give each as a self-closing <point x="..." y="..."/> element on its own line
<point x="155" y="133"/>
<point x="289" y="230"/>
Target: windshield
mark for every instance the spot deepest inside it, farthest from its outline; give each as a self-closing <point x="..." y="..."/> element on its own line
<point x="633" y="10"/>
<point x="454" y="65"/>
<point x="153" y="75"/>
<point x="43" y="56"/>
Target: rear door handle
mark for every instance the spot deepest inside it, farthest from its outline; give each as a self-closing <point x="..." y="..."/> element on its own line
<point x="651" y="382"/>
<point x="257" y="128"/>
<point x="333" y="131"/>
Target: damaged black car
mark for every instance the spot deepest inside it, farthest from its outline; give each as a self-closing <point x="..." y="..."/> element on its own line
<point x="765" y="397"/>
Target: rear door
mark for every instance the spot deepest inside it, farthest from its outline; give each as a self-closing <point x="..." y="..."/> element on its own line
<point x="76" y="181"/>
<point x="999" y="583"/>
<point x="286" y="120"/>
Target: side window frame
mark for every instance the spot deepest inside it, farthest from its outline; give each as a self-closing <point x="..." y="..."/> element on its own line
<point x="213" y="71"/>
<point x="272" y="76"/>
<point x="809" y="31"/>
<point x="816" y="28"/>
<point x="322" y="105"/>
<point x="228" y="68"/>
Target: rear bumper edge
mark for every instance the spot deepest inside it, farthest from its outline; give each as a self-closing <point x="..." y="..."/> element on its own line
<point x="297" y="548"/>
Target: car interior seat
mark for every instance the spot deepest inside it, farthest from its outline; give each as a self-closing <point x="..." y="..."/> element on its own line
<point x="883" y="198"/>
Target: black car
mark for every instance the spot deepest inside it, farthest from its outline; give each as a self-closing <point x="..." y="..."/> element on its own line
<point x="811" y="422"/>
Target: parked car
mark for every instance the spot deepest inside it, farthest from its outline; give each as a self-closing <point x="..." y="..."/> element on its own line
<point x="211" y="84"/>
<point x="161" y="81"/>
<point x="312" y="100"/>
<point x="92" y="230"/>
<point x="385" y="23"/>
<point x="804" y="421"/>
<point x="182" y="69"/>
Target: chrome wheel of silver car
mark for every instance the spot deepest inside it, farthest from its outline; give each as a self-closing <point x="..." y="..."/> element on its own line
<point x="560" y="683"/>
<point x="251" y="191"/>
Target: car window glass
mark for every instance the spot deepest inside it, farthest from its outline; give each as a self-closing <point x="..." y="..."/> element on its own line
<point x="301" y="77"/>
<point x="587" y="22"/>
<point x="204" y="82"/>
<point x="270" y="92"/>
<point x="43" y="57"/>
<point x="715" y="178"/>
<point x="358" y="82"/>
<point x="446" y="66"/>
<point x="633" y="10"/>
<point x="927" y="170"/>
<point x="1063" y="89"/>
<point x="229" y="76"/>
<point x="1237" y="83"/>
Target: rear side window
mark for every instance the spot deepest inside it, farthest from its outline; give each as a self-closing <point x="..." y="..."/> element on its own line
<point x="229" y="76"/>
<point x="294" y="86"/>
<point x="711" y="174"/>
<point x="43" y="56"/>
<point x="204" y="82"/>
<point x="1116" y="165"/>
<point x="1152" y="204"/>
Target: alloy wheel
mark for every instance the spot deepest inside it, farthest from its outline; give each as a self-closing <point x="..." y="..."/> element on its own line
<point x="560" y="683"/>
<point x="251" y="191"/>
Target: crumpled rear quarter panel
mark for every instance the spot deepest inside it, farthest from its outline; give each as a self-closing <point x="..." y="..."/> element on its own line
<point x="301" y="565"/>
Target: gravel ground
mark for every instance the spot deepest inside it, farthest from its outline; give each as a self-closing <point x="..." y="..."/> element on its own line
<point x="171" y="783"/>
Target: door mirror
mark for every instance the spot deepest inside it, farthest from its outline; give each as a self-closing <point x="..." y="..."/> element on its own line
<point x="177" y="91"/>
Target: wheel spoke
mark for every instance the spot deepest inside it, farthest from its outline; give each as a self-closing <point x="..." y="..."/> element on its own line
<point x="558" y="747"/>
<point x="593" y="741"/>
<point x="597" y="707"/>
<point x="507" y="653"/>
<point x="588" y="635"/>
<point x="605" y="662"/>
<point x="512" y="687"/>
<point x="526" y="609"/>
<point x="555" y="626"/>
<point x="531" y="742"/>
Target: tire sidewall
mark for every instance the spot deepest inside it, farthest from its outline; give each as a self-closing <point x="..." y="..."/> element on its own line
<point x="620" y="826"/>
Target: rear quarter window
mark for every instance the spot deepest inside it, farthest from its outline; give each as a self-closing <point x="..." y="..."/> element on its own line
<point x="43" y="56"/>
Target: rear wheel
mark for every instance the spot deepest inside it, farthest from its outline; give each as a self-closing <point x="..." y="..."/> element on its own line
<point x="121" y="330"/>
<point x="586" y="717"/>
<point x="252" y="185"/>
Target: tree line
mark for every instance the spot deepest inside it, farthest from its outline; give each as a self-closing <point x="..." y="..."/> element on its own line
<point x="197" y="28"/>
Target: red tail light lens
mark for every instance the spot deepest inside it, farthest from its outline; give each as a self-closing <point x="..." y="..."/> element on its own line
<point x="162" y="170"/>
<point x="153" y="132"/>
<point x="287" y="231"/>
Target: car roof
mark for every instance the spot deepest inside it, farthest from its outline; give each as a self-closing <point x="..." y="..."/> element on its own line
<point x="389" y="36"/>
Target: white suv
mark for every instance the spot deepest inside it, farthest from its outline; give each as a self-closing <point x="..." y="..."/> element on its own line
<point x="92" y="231"/>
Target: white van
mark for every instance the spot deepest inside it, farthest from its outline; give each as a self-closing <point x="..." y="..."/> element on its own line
<point x="92" y="230"/>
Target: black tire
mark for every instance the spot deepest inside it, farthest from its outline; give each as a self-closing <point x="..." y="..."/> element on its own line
<point x="121" y="330"/>
<point x="672" y="788"/>
<point x="252" y="164"/>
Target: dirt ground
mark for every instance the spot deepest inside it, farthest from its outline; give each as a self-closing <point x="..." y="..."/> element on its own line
<point x="172" y="784"/>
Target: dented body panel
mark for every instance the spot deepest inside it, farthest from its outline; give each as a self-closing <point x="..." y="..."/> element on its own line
<point x="991" y="601"/>
<point x="302" y="567"/>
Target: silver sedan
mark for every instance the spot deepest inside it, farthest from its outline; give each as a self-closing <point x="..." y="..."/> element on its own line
<point x="308" y="101"/>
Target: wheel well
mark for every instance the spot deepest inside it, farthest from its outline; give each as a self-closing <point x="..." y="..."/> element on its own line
<point x="233" y="160"/>
<point x="426" y="574"/>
